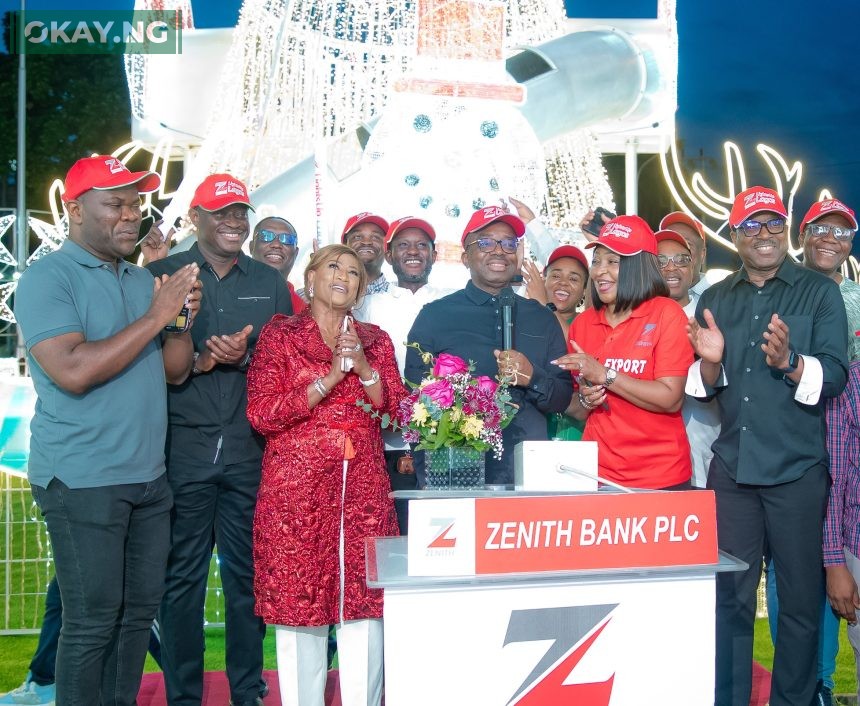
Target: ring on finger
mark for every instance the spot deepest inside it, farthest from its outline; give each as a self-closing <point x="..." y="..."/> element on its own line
<point x="356" y="348"/>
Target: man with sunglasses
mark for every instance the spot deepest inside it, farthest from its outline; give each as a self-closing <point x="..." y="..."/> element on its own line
<point x="826" y="234"/>
<point x="771" y="339"/>
<point x="469" y="324"/>
<point x="276" y="243"/>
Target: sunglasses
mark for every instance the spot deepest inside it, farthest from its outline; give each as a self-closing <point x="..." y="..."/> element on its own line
<point x="819" y="230"/>
<point x="508" y="245"/>
<point x="267" y="236"/>
<point x="679" y="260"/>
<point x="752" y="228"/>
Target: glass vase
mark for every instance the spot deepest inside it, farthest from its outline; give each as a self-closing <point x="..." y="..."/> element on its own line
<point x="455" y="468"/>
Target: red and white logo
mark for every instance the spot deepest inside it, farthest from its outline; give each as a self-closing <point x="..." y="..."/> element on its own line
<point x="759" y="197"/>
<point x="225" y="188"/>
<point x="115" y="166"/>
<point x="618" y="230"/>
<point x="493" y="212"/>
<point x="833" y="205"/>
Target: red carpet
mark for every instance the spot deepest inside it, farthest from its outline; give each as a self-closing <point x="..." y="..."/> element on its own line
<point x="217" y="693"/>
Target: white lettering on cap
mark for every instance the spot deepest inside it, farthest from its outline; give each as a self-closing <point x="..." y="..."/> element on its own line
<point x="493" y="211"/>
<point x="115" y="166"/>
<point x="832" y="205"/>
<point x="618" y="230"/>
<point x="759" y="197"/>
<point x="223" y="188"/>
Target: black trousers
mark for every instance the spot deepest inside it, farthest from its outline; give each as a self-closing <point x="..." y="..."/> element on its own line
<point x="400" y="481"/>
<point x="213" y="503"/>
<point x="788" y="517"/>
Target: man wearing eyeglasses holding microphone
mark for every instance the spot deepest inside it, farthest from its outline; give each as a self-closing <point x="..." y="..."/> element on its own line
<point x="771" y="339"/>
<point x="276" y="243"/>
<point x="470" y="324"/>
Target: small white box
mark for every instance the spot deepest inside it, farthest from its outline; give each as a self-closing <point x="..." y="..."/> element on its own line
<point x="536" y="465"/>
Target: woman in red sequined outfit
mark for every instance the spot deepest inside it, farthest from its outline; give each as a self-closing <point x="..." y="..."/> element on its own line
<point x="324" y="487"/>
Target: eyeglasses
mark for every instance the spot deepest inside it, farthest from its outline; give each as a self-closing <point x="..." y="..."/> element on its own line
<point x="752" y="228"/>
<point x="508" y="245"/>
<point x="267" y="236"/>
<point x="819" y="230"/>
<point x="679" y="260"/>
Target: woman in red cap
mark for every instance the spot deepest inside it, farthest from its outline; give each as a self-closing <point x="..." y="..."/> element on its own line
<point x="630" y="353"/>
<point x="562" y="290"/>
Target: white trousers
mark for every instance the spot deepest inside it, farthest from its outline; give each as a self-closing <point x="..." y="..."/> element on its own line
<point x="303" y="663"/>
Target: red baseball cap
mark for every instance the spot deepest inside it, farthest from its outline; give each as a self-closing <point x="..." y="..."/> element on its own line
<point x="685" y="218"/>
<point x="665" y="234"/>
<point x="755" y="200"/>
<point x="218" y="191"/>
<point x="567" y="251"/>
<point x="490" y="214"/>
<point x="626" y="235"/>
<point x="365" y="217"/>
<point x="104" y="172"/>
<point x="824" y="208"/>
<point x="409" y="222"/>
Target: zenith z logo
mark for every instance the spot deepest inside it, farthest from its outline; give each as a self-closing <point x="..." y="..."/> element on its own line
<point x="443" y="538"/>
<point x="566" y="627"/>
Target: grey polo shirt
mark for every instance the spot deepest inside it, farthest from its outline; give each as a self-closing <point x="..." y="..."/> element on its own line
<point x="114" y="433"/>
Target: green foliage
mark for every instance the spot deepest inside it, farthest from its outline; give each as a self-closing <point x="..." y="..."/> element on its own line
<point x="76" y="105"/>
<point x="386" y="421"/>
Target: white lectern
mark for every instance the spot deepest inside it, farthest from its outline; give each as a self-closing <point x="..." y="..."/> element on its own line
<point x="599" y="599"/>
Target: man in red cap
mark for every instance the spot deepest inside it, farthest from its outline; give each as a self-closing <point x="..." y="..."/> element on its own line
<point x="410" y="250"/>
<point x="214" y="457"/>
<point x="365" y="233"/>
<point x="692" y="230"/>
<point x="771" y="339"/>
<point x="469" y="323"/>
<point x="826" y="234"/>
<point x="94" y="329"/>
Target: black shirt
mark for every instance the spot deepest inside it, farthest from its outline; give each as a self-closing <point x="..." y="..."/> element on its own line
<point x="767" y="437"/>
<point x="207" y="411"/>
<point x="468" y="323"/>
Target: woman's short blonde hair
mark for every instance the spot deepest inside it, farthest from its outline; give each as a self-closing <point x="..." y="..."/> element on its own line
<point x="327" y="254"/>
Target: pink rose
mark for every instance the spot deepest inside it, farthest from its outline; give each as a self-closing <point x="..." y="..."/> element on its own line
<point x="447" y="364"/>
<point x="441" y="392"/>
<point x="487" y="384"/>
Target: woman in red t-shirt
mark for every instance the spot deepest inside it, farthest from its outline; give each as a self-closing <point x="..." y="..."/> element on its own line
<point x="631" y="355"/>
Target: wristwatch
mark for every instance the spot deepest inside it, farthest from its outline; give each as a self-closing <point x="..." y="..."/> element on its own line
<point x="552" y="307"/>
<point x="372" y="380"/>
<point x="611" y="374"/>
<point x="792" y="364"/>
<point x="194" y="369"/>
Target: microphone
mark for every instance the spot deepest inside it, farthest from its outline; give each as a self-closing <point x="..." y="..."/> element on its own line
<point x="506" y="299"/>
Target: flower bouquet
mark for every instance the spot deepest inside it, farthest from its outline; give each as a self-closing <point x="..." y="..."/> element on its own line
<point x="456" y="417"/>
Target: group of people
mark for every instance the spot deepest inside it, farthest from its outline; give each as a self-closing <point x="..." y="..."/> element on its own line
<point x="247" y="434"/>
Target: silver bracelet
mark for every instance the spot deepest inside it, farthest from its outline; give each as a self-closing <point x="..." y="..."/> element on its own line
<point x="320" y="387"/>
<point x="374" y="378"/>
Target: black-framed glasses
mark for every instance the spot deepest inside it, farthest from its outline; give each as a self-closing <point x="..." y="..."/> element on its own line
<point x="508" y="245"/>
<point x="268" y="236"/>
<point x="819" y="230"/>
<point x="679" y="260"/>
<point x="751" y="228"/>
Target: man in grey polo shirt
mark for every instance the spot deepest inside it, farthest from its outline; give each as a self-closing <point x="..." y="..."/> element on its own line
<point x="93" y="328"/>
